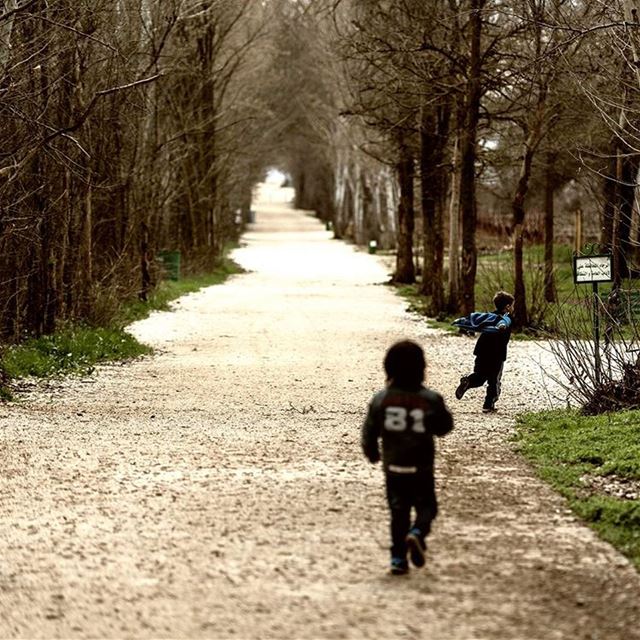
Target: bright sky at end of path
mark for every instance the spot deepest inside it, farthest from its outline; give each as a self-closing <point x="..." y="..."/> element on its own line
<point x="275" y="176"/>
<point x="271" y="191"/>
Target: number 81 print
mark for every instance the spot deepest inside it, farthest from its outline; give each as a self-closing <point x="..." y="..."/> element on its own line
<point x="395" y="419"/>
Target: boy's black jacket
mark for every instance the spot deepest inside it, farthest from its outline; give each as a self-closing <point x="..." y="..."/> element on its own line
<point x="406" y="421"/>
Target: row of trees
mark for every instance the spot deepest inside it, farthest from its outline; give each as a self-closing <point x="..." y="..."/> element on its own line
<point x="432" y="112"/>
<point x="126" y="127"/>
<point x="132" y="126"/>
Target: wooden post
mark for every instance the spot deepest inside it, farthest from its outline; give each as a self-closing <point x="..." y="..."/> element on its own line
<point x="596" y="332"/>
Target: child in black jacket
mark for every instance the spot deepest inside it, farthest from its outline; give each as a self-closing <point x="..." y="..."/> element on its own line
<point x="406" y="416"/>
<point x="490" y="352"/>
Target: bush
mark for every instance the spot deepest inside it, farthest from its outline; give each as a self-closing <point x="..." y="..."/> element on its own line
<point x="614" y="385"/>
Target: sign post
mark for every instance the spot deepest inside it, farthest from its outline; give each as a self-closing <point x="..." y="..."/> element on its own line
<point x="594" y="268"/>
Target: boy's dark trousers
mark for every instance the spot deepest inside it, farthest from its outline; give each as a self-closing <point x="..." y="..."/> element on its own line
<point x="406" y="490"/>
<point x="489" y="372"/>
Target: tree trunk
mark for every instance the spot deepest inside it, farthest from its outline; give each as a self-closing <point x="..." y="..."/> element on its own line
<point x="434" y="134"/>
<point x="405" y="270"/>
<point x="609" y="197"/>
<point x="454" y="236"/>
<point x="468" y="140"/>
<point x="520" y="305"/>
<point x="145" y="285"/>
<point x="550" y="294"/>
<point x="618" y="200"/>
<point x="619" y="197"/>
<point x="428" y="200"/>
<point x="344" y="225"/>
<point x="628" y="163"/>
<point x="532" y="140"/>
<point x="521" y="316"/>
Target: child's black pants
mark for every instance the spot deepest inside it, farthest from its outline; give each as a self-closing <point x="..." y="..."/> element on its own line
<point x="404" y="491"/>
<point x="489" y="372"/>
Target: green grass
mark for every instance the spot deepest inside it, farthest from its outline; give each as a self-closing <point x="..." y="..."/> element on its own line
<point x="73" y="350"/>
<point x="76" y="349"/>
<point x="416" y="302"/>
<point x="168" y="290"/>
<point x="566" y="447"/>
<point x="495" y="271"/>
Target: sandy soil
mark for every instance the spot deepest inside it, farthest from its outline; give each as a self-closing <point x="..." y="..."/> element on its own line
<point x="217" y="489"/>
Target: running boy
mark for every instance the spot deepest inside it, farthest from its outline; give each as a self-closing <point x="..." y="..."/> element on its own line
<point x="406" y="415"/>
<point x="490" y="350"/>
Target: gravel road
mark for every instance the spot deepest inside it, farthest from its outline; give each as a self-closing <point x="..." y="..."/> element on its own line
<point x="217" y="489"/>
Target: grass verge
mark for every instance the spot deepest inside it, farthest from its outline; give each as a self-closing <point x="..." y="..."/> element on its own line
<point x="168" y="290"/>
<point x="76" y="349"/>
<point x="594" y="462"/>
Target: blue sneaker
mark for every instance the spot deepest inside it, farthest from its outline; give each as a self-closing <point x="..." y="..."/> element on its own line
<point x="417" y="548"/>
<point x="399" y="566"/>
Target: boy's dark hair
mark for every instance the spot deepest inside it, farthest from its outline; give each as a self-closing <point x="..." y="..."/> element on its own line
<point x="502" y="299"/>
<point x="405" y="364"/>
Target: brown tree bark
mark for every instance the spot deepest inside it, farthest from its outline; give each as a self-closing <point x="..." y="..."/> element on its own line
<point x="550" y="294"/>
<point x="453" y="301"/>
<point x="405" y="270"/>
<point x="434" y="134"/>
<point x="468" y="141"/>
<point x="428" y="198"/>
<point x="521" y="314"/>
<point x="520" y="306"/>
<point x="619" y="188"/>
<point x="619" y="191"/>
<point x="628" y="163"/>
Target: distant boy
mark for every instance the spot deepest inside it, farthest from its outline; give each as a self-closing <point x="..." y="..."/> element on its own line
<point x="490" y="350"/>
<point x="406" y="415"/>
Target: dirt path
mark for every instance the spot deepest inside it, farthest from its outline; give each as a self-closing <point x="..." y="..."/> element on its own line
<point x="217" y="490"/>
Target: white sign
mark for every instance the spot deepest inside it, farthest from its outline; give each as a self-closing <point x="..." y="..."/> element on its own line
<point x="592" y="269"/>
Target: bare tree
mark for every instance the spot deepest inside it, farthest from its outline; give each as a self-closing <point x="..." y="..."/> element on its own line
<point x="94" y="154"/>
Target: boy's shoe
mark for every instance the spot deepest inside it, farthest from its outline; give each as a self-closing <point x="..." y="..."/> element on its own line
<point x="489" y="408"/>
<point x="417" y="548"/>
<point x="399" y="566"/>
<point x="462" y="387"/>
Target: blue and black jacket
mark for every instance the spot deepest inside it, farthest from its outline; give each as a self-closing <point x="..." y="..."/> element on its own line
<point x="484" y="322"/>
<point x="495" y="332"/>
